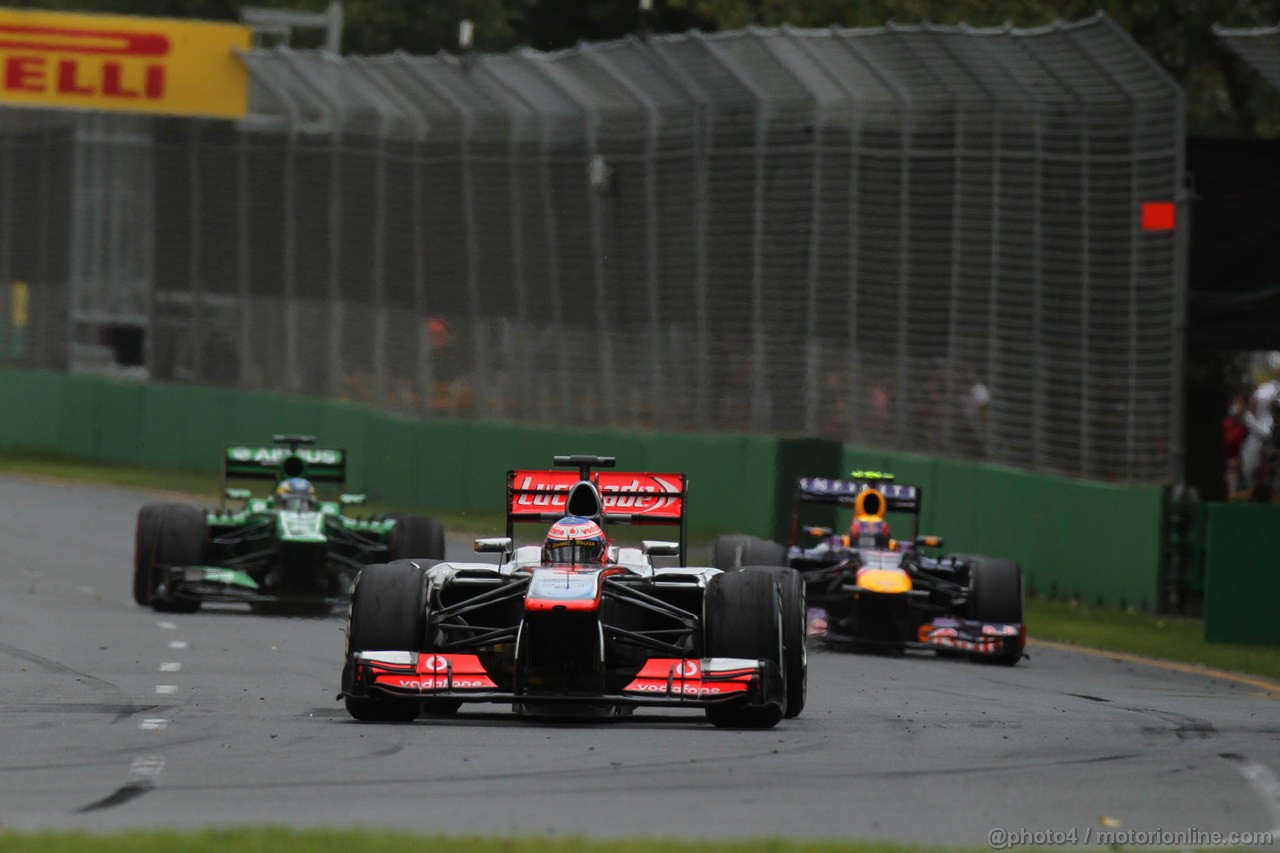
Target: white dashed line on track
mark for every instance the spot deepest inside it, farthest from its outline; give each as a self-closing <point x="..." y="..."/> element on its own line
<point x="166" y="688"/>
<point x="170" y="666"/>
<point x="177" y="644"/>
<point x="153" y="724"/>
<point x="168" y="626"/>
<point x="146" y="767"/>
<point x="1264" y="782"/>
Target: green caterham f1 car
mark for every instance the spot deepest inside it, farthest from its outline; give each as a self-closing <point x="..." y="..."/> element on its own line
<point x="284" y="550"/>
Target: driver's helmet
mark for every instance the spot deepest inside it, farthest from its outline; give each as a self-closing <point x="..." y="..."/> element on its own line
<point x="296" y="493"/>
<point x="868" y="533"/>
<point x="575" y="540"/>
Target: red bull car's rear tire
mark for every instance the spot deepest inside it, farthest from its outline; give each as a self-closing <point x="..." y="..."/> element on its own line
<point x="737" y="550"/>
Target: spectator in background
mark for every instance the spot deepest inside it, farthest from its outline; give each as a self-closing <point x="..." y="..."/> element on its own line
<point x="1259" y="422"/>
<point x="879" y="412"/>
<point x="975" y="405"/>
<point x="1267" y="474"/>
<point x="1268" y="392"/>
<point x="1234" y="432"/>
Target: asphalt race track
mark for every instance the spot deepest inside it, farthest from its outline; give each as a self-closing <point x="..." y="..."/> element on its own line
<point x="115" y="716"/>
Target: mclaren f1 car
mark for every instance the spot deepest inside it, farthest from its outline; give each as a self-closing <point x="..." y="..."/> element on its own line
<point x="867" y="589"/>
<point x="577" y="624"/>
<point x="287" y="549"/>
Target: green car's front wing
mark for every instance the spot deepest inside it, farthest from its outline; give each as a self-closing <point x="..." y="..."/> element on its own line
<point x="246" y="547"/>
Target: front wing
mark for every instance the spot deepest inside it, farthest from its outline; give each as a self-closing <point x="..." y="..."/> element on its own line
<point x="687" y="682"/>
<point x="215" y="584"/>
<point x="947" y="634"/>
<point x="981" y="639"/>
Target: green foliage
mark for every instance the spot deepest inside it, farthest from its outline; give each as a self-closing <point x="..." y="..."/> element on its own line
<point x="1224" y="96"/>
<point x="202" y="487"/>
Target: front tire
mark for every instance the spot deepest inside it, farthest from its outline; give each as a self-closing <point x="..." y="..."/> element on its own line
<point x="795" y="652"/>
<point x="166" y="535"/>
<point x="995" y="595"/>
<point x="744" y="620"/>
<point x="387" y="613"/>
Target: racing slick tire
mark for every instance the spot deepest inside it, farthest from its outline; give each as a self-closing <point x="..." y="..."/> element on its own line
<point x="430" y="707"/>
<point x="795" y="625"/>
<point x="743" y="619"/>
<point x="388" y="611"/>
<point x="415" y="536"/>
<point x="995" y="595"/>
<point x="735" y="551"/>
<point x="166" y="535"/>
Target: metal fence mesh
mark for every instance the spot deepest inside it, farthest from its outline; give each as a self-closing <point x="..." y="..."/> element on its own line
<point x="908" y="238"/>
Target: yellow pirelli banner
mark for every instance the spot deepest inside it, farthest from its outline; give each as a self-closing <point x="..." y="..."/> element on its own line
<point x="118" y="62"/>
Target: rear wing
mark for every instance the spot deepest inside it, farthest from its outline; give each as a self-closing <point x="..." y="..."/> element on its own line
<point x="849" y="493"/>
<point x="635" y="498"/>
<point x="293" y="456"/>
<point x="819" y="490"/>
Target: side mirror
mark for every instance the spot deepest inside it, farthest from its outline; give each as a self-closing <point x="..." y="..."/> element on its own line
<point x="928" y="541"/>
<point x="351" y="500"/>
<point x="496" y="545"/>
<point x="239" y="494"/>
<point x="660" y="548"/>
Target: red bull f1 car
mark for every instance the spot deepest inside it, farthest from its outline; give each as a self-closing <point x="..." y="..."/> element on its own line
<point x="576" y="624"/>
<point x="867" y="589"/>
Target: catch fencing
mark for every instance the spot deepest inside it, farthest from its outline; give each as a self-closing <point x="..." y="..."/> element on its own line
<point x="907" y="238"/>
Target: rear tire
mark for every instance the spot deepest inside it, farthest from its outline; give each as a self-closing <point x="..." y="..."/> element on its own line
<point x="166" y="535"/>
<point x="744" y="620"/>
<point x="415" y="536"/>
<point x="737" y="550"/>
<point x="995" y="595"/>
<point x="388" y="613"/>
<point x="795" y="652"/>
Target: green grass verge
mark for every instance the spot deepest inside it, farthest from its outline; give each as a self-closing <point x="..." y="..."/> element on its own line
<point x="1171" y="638"/>
<point x="343" y="841"/>
<point x="204" y="486"/>
<point x="150" y="479"/>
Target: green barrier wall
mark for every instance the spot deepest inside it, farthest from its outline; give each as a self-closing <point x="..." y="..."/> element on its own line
<point x="796" y="458"/>
<point x="1095" y="542"/>
<point x="1242" y="574"/>
<point x="443" y="464"/>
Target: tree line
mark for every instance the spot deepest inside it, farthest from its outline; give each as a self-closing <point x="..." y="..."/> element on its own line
<point x="1225" y="97"/>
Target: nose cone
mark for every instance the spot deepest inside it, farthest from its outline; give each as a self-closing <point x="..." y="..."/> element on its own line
<point x="884" y="580"/>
